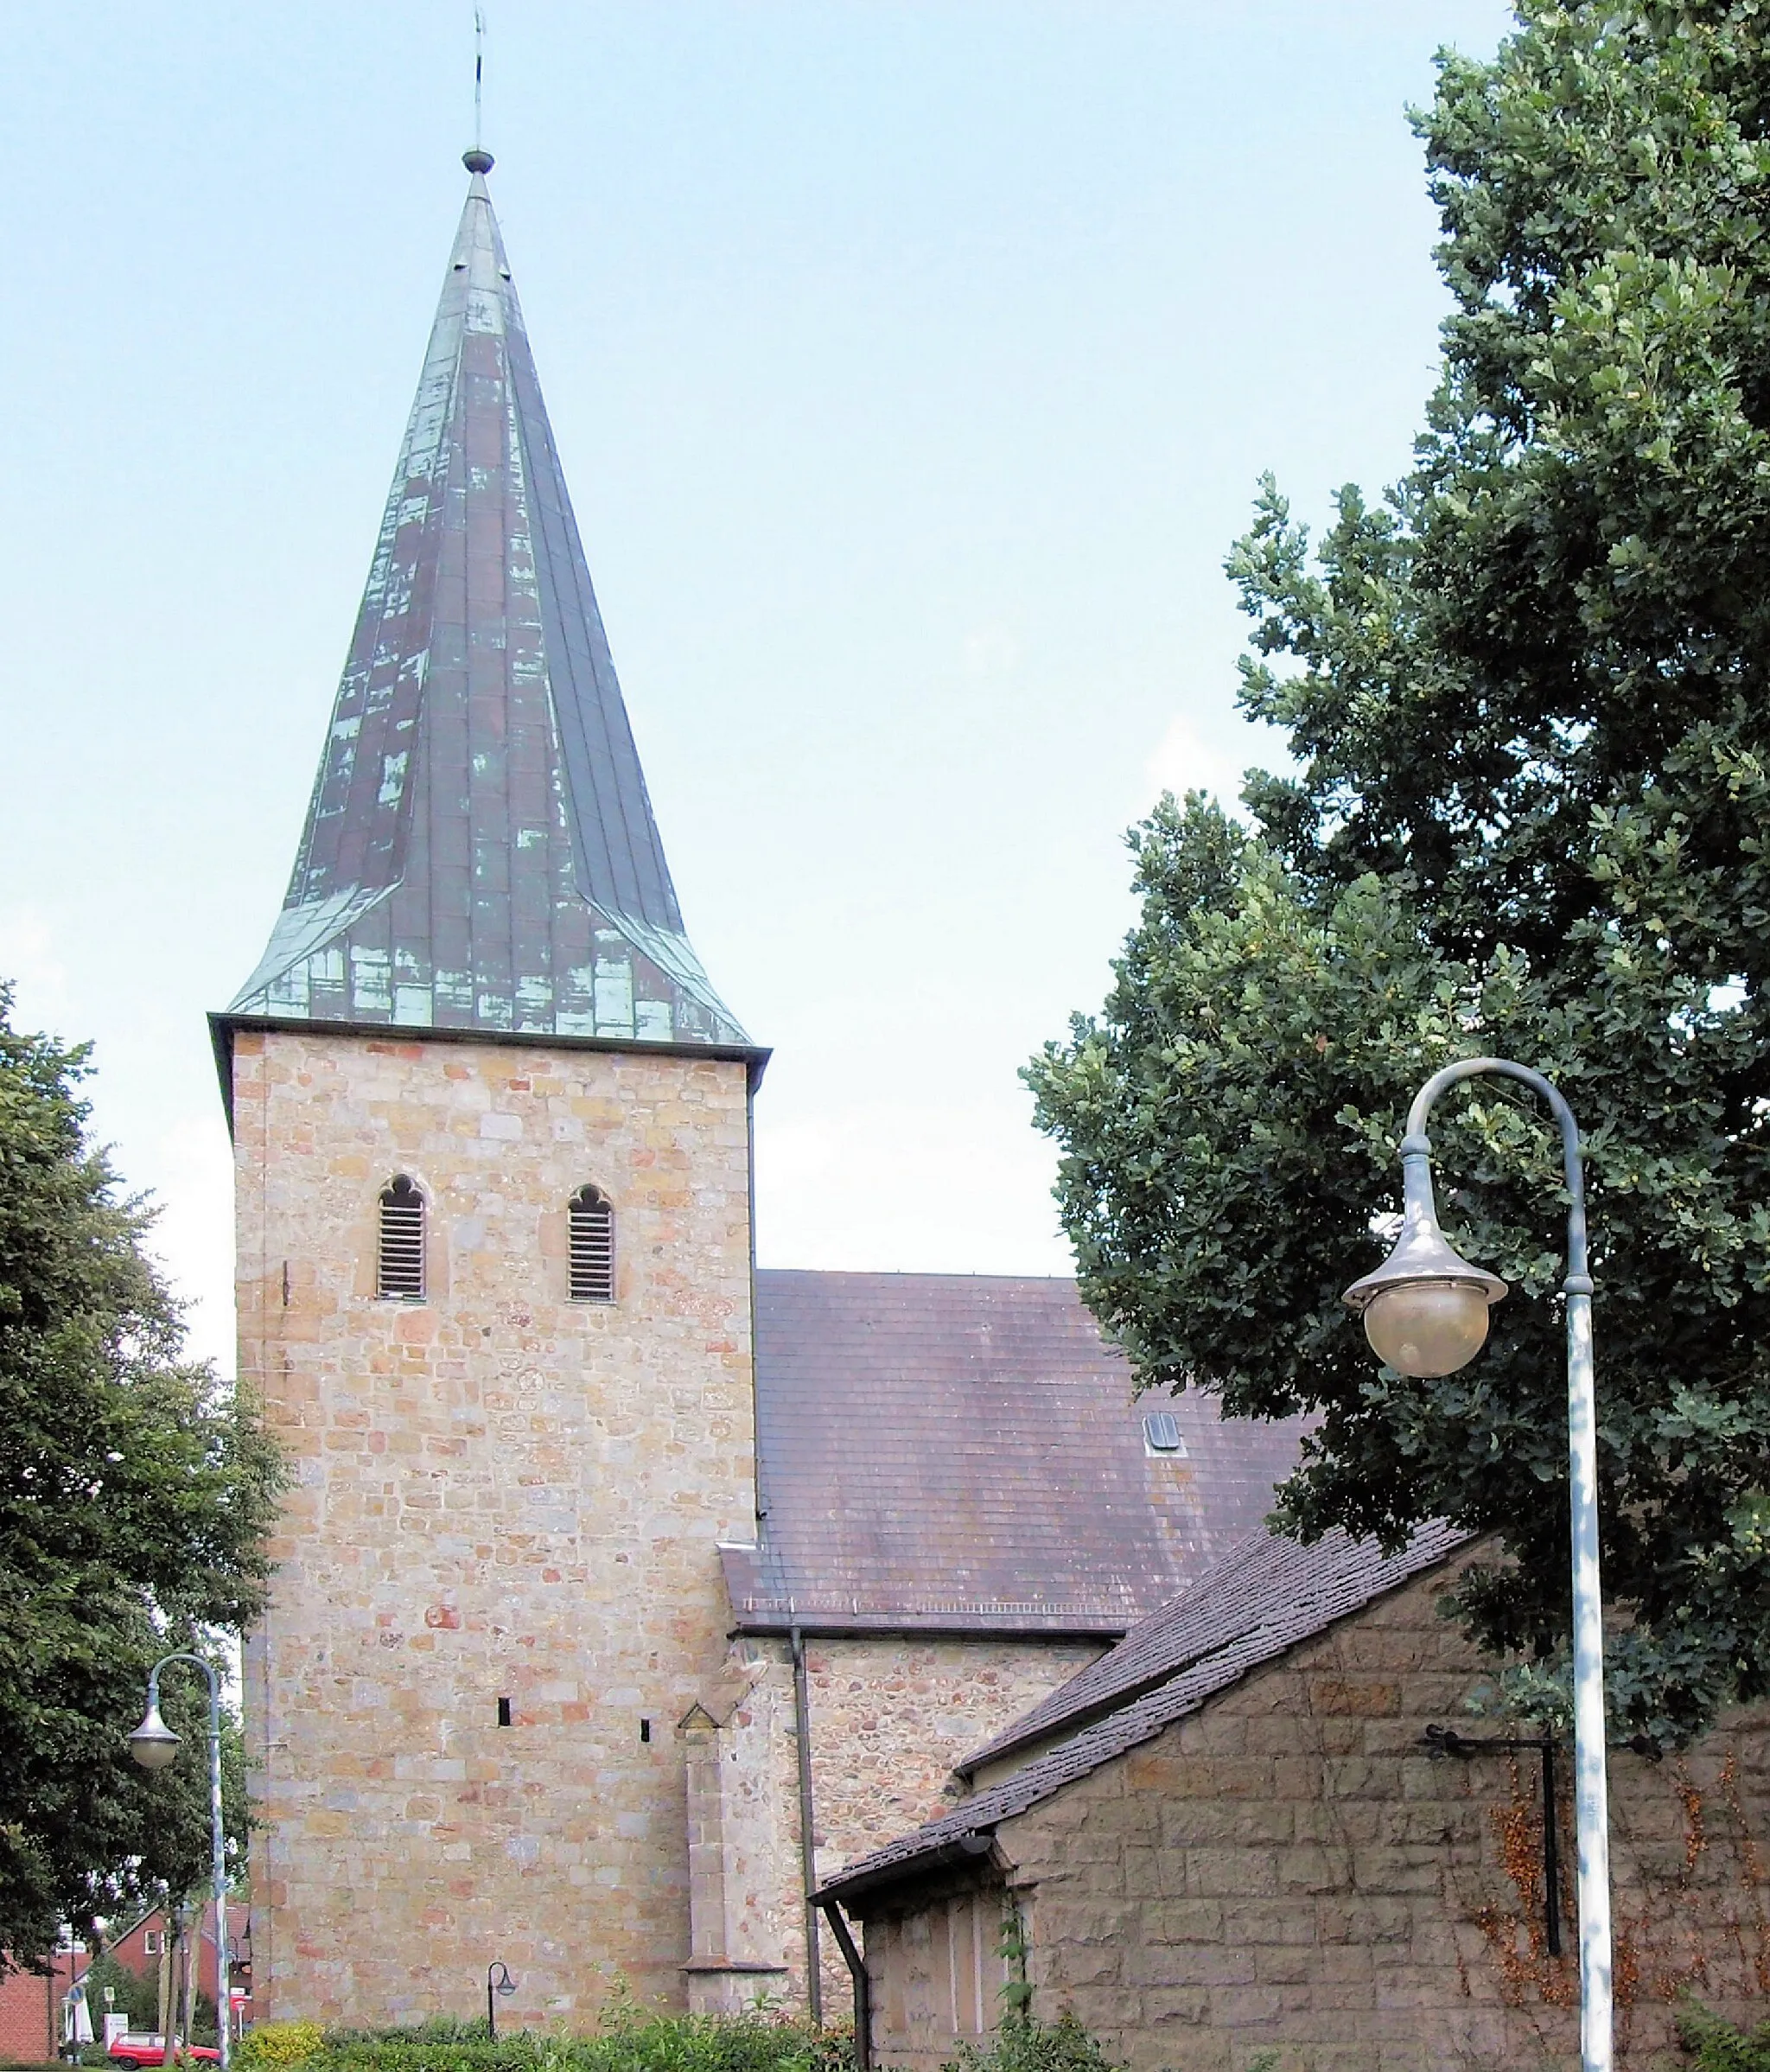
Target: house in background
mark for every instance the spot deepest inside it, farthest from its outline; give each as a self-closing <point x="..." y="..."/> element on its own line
<point x="30" y="2008"/>
<point x="1232" y="1834"/>
<point x="139" y="1946"/>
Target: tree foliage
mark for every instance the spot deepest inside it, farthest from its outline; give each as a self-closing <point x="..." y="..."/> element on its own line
<point x="135" y="1494"/>
<point x="1525" y="695"/>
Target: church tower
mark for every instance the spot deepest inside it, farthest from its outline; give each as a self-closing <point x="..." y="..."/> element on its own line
<point x="492" y="1138"/>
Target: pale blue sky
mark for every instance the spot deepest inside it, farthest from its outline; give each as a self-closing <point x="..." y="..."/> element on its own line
<point x="912" y="366"/>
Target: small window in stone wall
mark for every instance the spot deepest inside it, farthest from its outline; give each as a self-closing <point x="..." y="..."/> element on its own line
<point x="591" y="1220"/>
<point x="399" y="1274"/>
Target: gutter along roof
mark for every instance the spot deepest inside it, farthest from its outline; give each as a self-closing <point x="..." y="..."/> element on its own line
<point x="1263" y="1598"/>
<point x="480" y="853"/>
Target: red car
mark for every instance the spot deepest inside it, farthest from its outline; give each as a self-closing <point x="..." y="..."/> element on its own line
<point x="136" y="2050"/>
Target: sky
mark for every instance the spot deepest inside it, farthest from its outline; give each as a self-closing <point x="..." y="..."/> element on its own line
<point x="914" y="364"/>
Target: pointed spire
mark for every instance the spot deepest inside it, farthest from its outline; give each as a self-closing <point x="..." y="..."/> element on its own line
<point x="479" y="851"/>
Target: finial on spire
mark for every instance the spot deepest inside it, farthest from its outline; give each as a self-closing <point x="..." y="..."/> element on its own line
<point x="479" y="159"/>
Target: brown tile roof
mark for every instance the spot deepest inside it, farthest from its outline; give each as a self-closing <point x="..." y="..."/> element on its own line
<point x="962" y="1453"/>
<point x="1264" y="1598"/>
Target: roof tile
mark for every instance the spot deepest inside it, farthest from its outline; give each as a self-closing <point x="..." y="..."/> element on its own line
<point x="1262" y="1598"/>
<point x="963" y="1453"/>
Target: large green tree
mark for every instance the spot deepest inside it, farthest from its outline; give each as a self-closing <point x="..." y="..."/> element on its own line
<point x="1527" y="696"/>
<point x="135" y="1494"/>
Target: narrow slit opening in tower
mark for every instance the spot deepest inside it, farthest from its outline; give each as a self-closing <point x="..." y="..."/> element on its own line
<point x="400" y="1262"/>
<point x="591" y="1221"/>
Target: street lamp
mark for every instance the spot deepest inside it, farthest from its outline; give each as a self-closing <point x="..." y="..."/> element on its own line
<point x="153" y="1744"/>
<point x="498" y="1985"/>
<point x="1425" y="1313"/>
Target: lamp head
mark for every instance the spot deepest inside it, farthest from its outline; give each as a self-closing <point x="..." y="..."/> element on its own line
<point x="1425" y="1307"/>
<point x="153" y="1743"/>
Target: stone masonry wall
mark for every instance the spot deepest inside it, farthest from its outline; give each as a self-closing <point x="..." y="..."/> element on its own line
<point x="1290" y="1870"/>
<point x="890" y="1716"/>
<point x="497" y="1492"/>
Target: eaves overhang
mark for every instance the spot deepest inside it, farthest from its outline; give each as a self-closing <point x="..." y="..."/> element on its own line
<point x="966" y="1852"/>
<point x="223" y="1026"/>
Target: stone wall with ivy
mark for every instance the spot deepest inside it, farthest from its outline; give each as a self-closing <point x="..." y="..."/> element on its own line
<point x="1293" y="1869"/>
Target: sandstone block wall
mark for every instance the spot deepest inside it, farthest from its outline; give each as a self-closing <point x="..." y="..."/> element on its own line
<point x="892" y="1713"/>
<point x="495" y="1494"/>
<point x="1290" y="1870"/>
<point x="889" y="1715"/>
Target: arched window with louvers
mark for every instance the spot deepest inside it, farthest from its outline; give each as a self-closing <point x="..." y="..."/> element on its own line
<point x="591" y="1220"/>
<point x="399" y="1259"/>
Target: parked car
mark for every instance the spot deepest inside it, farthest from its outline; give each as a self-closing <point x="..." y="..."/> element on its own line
<point x="136" y="2050"/>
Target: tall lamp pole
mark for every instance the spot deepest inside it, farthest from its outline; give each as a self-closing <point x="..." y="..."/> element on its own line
<point x="1425" y="1313"/>
<point x="153" y="1744"/>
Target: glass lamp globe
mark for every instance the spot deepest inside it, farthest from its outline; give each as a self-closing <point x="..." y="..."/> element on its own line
<point x="1425" y="1327"/>
<point x="1425" y="1307"/>
<point x="153" y="1743"/>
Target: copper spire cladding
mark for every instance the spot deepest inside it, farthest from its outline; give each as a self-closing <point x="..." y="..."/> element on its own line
<point x="479" y="851"/>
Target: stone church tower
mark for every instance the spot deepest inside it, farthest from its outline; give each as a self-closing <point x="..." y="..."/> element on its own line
<point x="624" y="1593"/>
<point x="492" y="1133"/>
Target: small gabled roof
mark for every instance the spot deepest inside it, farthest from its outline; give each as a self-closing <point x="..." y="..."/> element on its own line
<point x="962" y="1453"/>
<point x="1264" y="1598"/>
<point x="480" y="853"/>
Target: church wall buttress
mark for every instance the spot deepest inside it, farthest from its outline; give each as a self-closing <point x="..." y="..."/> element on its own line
<point x="497" y="1494"/>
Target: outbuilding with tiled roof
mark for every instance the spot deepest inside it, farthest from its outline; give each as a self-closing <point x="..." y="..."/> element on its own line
<point x="1233" y="1832"/>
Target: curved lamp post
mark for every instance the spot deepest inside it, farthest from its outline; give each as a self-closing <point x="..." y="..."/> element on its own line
<point x="153" y="1744"/>
<point x="499" y="1982"/>
<point x="1425" y="1312"/>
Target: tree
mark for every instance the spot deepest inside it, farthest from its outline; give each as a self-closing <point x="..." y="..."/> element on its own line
<point x="1526" y="697"/>
<point x="135" y="1495"/>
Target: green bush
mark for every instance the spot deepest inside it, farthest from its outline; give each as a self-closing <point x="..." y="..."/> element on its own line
<point x="136" y="1997"/>
<point x="1717" y="2046"/>
<point x="269" y="2046"/>
<point x="1024" y="2043"/>
<point x="629" y="2040"/>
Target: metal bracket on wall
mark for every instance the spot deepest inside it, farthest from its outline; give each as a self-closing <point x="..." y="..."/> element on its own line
<point x="1445" y="1740"/>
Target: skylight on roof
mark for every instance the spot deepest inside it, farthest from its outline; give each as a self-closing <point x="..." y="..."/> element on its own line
<point x="1161" y="1434"/>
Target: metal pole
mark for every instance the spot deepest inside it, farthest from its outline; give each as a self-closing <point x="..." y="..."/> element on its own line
<point x="218" y="1846"/>
<point x="498" y="1980"/>
<point x="862" y="1986"/>
<point x="1591" y="1796"/>
<point x="1551" y="1848"/>
<point x="807" y="1829"/>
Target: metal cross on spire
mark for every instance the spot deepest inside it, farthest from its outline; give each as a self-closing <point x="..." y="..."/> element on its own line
<point x="479" y="72"/>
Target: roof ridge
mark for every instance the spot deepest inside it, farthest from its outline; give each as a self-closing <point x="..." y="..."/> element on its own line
<point x="1142" y="1719"/>
<point x="1111" y="1700"/>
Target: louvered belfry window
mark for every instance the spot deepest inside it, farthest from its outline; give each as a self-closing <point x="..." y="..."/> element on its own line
<point x="592" y="1221"/>
<point x="400" y="1268"/>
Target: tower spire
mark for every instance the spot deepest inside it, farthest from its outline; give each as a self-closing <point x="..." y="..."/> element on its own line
<point x="479" y="851"/>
